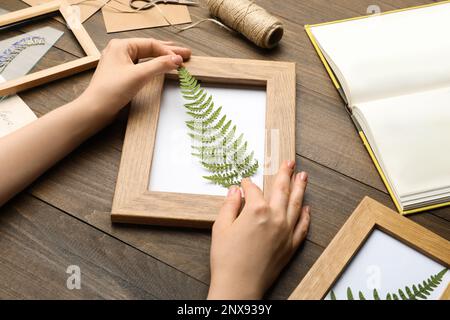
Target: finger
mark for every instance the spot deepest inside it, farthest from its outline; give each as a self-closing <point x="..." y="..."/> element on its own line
<point x="298" y="188"/>
<point x="301" y="229"/>
<point x="182" y="51"/>
<point x="140" y="48"/>
<point x="229" y="210"/>
<point x="281" y="187"/>
<point x="252" y="193"/>
<point x="158" y="65"/>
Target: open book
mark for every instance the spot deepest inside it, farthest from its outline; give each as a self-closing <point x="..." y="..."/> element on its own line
<point x="393" y="71"/>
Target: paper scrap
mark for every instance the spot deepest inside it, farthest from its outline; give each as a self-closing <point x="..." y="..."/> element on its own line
<point x="116" y="21"/>
<point x="14" y="113"/>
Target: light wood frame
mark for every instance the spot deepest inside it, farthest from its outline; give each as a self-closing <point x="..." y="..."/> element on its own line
<point x="134" y="203"/>
<point x="369" y="215"/>
<point x="54" y="73"/>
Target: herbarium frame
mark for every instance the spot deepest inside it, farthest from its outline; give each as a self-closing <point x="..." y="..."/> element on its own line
<point x="369" y="215"/>
<point x="57" y="72"/>
<point x="134" y="203"/>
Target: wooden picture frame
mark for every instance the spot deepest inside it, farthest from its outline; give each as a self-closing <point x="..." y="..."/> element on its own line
<point x="134" y="203"/>
<point x="57" y="72"/>
<point x="368" y="216"/>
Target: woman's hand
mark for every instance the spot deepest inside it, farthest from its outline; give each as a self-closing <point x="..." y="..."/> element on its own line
<point x="115" y="82"/>
<point x="119" y="77"/>
<point x="249" y="249"/>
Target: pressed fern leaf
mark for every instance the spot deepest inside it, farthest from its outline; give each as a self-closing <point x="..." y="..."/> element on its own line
<point x="376" y="296"/>
<point x="332" y="295"/>
<point x="416" y="292"/>
<point x="349" y="294"/>
<point x="9" y="54"/>
<point x="215" y="143"/>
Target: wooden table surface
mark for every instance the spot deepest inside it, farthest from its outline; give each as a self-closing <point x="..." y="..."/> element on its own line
<point x="62" y="218"/>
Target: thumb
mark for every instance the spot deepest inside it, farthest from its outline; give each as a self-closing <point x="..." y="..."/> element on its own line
<point x="159" y="65"/>
<point x="230" y="209"/>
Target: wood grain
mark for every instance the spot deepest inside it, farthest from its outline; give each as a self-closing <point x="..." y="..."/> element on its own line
<point x="38" y="243"/>
<point x="327" y="145"/>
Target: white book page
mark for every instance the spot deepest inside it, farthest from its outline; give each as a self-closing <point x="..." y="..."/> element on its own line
<point x="411" y="136"/>
<point x="390" y="55"/>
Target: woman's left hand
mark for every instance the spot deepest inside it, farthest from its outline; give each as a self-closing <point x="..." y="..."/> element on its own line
<point x="119" y="77"/>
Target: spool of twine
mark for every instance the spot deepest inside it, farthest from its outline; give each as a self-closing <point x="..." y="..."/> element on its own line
<point x="243" y="16"/>
<point x="249" y="19"/>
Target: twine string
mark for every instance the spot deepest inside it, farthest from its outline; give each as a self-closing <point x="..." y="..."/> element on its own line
<point x="243" y="16"/>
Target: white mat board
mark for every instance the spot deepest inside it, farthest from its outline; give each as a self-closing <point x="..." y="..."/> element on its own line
<point x="386" y="264"/>
<point x="174" y="169"/>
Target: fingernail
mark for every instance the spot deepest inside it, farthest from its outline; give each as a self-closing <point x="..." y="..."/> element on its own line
<point x="291" y="164"/>
<point x="247" y="179"/>
<point x="231" y="190"/>
<point x="308" y="209"/>
<point x="177" y="59"/>
<point x="303" y="176"/>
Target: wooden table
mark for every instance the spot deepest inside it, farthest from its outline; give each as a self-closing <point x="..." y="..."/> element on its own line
<point x="62" y="218"/>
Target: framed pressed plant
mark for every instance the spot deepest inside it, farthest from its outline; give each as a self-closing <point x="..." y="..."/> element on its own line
<point x="165" y="178"/>
<point x="379" y="255"/>
<point x="31" y="80"/>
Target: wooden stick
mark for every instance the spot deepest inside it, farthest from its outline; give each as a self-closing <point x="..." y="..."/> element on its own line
<point x="31" y="12"/>
<point x="48" y="75"/>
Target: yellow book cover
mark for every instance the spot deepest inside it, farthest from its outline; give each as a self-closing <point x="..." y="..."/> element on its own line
<point x="340" y="90"/>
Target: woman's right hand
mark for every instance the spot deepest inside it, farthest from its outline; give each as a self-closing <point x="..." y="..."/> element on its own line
<point x="250" y="248"/>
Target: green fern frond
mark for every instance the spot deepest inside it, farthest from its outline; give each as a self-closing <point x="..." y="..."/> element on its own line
<point x="217" y="167"/>
<point x="419" y="291"/>
<point x="220" y="123"/>
<point x="402" y="294"/>
<point x="332" y="295"/>
<point x="195" y="96"/>
<point x="376" y="296"/>
<point x="411" y="296"/>
<point x="349" y="294"/>
<point x="192" y="92"/>
<point x="209" y="121"/>
<point x="214" y="136"/>
<point x="197" y="115"/>
<point x="247" y="161"/>
<point x="251" y="170"/>
<point x="199" y="102"/>
<point x="236" y="152"/>
<point x="229" y="137"/>
<point x="202" y="138"/>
